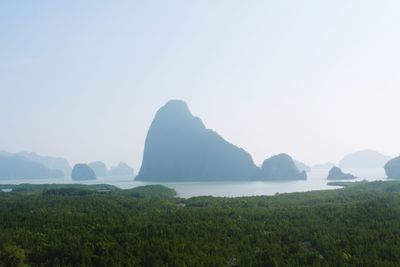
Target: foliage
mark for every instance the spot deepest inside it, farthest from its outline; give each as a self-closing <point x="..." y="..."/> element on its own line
<point x="39" y="188"/>
<point x="346" y="183"/>
<point x="354" y="226"/>
<point x="155" y="191"/>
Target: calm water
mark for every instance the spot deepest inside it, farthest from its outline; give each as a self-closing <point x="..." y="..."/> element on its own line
<point x="316" y="181"/>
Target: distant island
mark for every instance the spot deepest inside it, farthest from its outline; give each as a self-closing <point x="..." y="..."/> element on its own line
<point x="336" y="174"/>
<point x="281" y="167"/>
<point x="16" y="167"/>
<point x="29" y="165"/>
<point x="301" y="166"/>
<point x="392" y="168"/>
<point x="179" y="147"/>
<point x="364" y="159"/>
<point x="121" y="170"/>
<point x="56" y="164"/>
<point x="99" y="168"/>
<point x="82" y="172"/>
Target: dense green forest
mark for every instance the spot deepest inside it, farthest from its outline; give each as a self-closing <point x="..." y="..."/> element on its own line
<point x="64" y="225"/>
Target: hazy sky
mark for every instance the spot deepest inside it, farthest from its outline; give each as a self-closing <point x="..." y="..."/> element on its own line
<point x="315" y="79"/>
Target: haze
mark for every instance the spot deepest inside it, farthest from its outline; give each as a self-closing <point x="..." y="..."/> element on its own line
<point x="83" y="80"/>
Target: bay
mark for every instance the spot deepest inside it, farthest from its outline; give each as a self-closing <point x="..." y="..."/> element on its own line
<point x="316" y="181"/>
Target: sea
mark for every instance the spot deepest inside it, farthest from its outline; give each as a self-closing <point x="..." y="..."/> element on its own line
<point x="316" y="181"/>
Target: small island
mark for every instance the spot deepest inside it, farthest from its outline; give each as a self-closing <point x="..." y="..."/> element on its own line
<point x="83" y="172"/>
<point x="392" y="168"/>
<point x="336" y="174"/>
<point x="281" y="167"/>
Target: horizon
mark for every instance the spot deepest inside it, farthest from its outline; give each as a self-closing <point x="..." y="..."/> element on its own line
<point x="137" y="168"/>
<point x="314" y="80"/>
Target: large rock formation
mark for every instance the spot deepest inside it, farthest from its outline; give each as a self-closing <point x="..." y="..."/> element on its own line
<point x="13" y="167"/>
<point x="302" y="166"/>
<point x="82" y="172"/>
<point x="180" y="148"/>
<point x="336" y="174"/>
<point x="364" y="159"/>
<point x="99" y="168"/>
<point x="122" y="169"/>
<point x="392" y="168"/>
<point x="281" y="167"/>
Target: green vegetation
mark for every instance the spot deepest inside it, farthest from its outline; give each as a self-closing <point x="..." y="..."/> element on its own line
<point x="346" y="184"/>
<point x="150" y="191"/>
<point x="40" y="188"/>
<point x="79" y="226"/>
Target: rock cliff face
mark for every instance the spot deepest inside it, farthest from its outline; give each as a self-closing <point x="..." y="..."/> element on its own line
<point x="336" y="174"/>
<point x="82" y="172"/>
<point x="180" y="148"/>
<point x="281" y="167"/>
<point x="392" y="168"/>
<point x="14" y="167"/>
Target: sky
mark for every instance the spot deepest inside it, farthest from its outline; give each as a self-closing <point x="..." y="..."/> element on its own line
<point x="315" y="79"/>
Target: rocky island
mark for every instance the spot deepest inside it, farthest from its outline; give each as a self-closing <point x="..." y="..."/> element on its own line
<point x="179" y="147"/>
<point x="392" y="168"/>
<point x="301" y="166"/>
<point x="336" y="174"/>
<point x="281" y="167"/>
<point x="82" y="172"/>
<point x="16" y="167"/>
<point x="99" y="168"/>
<point x="122" y="169"/>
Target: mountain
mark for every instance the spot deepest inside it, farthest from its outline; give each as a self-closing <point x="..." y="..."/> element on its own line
<point x="364" y="159"/>
<point x="99" y="168"/>
<point x="302" y="166"/>
<point x="122" y="169"/>
<point x="281" y="167"/>
<point x="179" y="147"/>
<point x="15" y="167"/>
<point x="392" y="168"/>
<point x="54" y="163"/>
<point x="82" y="172"/>
<point x="336" y="174"/>
<point x="323" y="166"/>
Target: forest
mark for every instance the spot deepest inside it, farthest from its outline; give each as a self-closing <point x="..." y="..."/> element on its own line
<point x="101" y="225"/>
